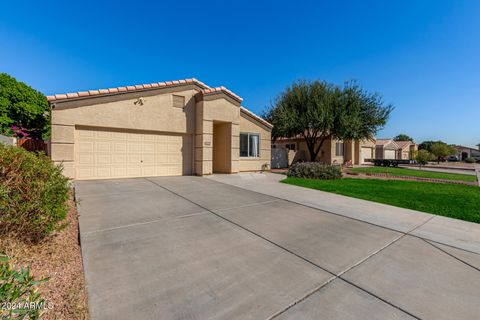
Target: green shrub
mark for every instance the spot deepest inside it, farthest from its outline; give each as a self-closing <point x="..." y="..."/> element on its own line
<point x="423" y="156"/>
<point x="33" y="194"/>
<point x="18" y="293"/>
<point x="470" y="160"/>
<point x="314" y="170"/>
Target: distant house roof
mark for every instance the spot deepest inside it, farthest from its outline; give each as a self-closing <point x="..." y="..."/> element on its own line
<point x="387" y="144"/>
<point x="404" y="144"/>
<point x="463" y="147"/>
<point x="382" y="142"/>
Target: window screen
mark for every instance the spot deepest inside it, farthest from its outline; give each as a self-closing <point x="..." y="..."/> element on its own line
<point x="249" y="145"/>
<point x="339" y="149"/>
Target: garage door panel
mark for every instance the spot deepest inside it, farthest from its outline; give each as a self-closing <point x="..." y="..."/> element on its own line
<point x="103" y="171"/>
<point x="174" y="158"/>
<point x="85" y="146"/>
<point x="148" y="137"/>
<point x="134" y="171"/>
<point x="148" y="171"/>
<point x="161" y="158"/>
<point x="86" y="133"/>
<point x="85" y="172"/>
<point x="134" y="137"/>
<point x="160" y="138"/>
<point x="102" y="146"/>
<point x="161" y="171"/>
<point x="174" y="170"/>
<point x="120" y="147"/>
<point x="148" y="159"/>
<point x="103" y="135"/>
<point x="133" y="147"/>
<point x="161" y="147"/>
<point x="366" y="153"/>
<point x="119" y="171"/>
<point x="86" y="159"/>
<point x="148" y="148"/>
<point x="102" y="154"/>
<point x="134" y="158"/>
<point x="389" y="154"/>
<point x="119" y="135"/>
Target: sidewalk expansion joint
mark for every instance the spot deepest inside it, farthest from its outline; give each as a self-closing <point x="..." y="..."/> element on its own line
<point x="334" y="276"/>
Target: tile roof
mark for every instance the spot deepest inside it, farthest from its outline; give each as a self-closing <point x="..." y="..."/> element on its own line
<point x="140" y="87"/>
<point x="221" y="89"/>
<point x="206" y="90"/>
<point x="382" y="142"/>
<point x="261" y="120"/>
<point x="403" y="144"/>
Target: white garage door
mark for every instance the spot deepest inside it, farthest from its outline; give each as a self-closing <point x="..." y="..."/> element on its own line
<point x="389" y="154"/>
<point x="366" y="153"/>
<point x="103" y="154"/>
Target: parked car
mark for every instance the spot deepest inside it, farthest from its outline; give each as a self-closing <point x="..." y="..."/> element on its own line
<point x="452" y="159"/>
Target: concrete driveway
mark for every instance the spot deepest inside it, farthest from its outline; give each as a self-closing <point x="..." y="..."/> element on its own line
<point x="196" y="248"/>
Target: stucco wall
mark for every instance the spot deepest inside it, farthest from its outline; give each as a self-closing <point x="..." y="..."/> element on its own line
<point x="207" y="111"/>
<point x="249" y="125"/>
<point x="157" y="112"/>
<point x="327" y="155"/>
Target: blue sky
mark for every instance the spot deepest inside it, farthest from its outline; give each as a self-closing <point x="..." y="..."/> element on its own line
<point x="422" y="56"/>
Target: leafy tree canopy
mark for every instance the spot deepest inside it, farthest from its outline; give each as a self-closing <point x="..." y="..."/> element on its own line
<point x="403" y="137"/>
<point x="319" y="110"/>
<point x="427" y="145"/>
<point x="23" y="107"/>
<point x="441" y="149"/>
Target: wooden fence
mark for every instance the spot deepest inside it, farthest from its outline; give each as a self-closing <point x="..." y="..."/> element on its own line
<point x="35" y="145"/>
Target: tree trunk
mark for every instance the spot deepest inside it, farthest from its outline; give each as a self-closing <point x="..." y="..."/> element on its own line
<point x="311" y="147"/>
<point x="313" y="155"/>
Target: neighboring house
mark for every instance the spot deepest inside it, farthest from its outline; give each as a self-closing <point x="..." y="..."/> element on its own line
<point x="467" y="152"/>
<point x="386" y="149"/>
<point x="407" y="150"/>
<point x="332" y="151"/>
<point x="168" y="128"/>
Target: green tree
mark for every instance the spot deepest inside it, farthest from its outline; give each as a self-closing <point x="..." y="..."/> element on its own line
<point x="22" y="106"/>
<point x="318" y="111"/>
<point x="427" y="145"/>
<point x="422" y="157"/>
<point x="403" y="137"/>
<point x="441" y="149"/>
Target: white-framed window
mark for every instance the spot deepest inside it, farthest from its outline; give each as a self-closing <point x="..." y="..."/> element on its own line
<point x="249" y="145"/>
<point x="339" y="149"/>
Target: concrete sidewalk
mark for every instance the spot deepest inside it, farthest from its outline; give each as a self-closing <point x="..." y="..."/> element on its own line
<point x="452" y="232"/>
<point x="195" y="248"/>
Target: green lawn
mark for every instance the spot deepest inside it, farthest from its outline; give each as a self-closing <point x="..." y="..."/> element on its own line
<point x="450" y="200"/>
<point x="416" y="173"/>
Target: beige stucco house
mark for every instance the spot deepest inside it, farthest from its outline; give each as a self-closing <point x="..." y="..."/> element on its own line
<point x="386" y="149"/>
<point x="407" y="150"/>
<point x="332" y="151"/>
<point x="167" y="128"/>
